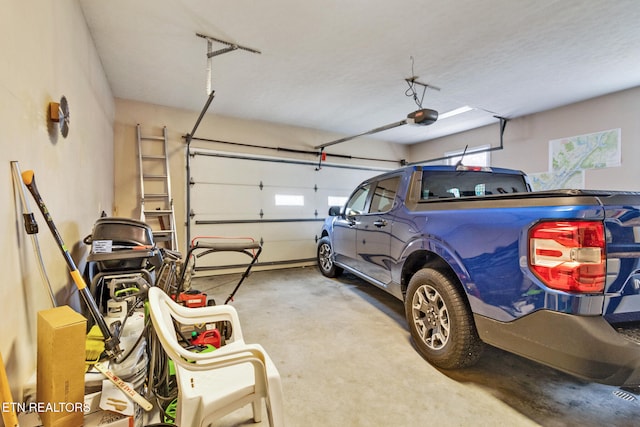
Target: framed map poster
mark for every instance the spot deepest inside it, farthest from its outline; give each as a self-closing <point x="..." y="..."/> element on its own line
<point x="570" y="157"/>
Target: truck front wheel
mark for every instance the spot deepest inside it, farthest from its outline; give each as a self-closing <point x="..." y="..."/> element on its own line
<point x="440" y="321"/>
<point x="325" y="259"/>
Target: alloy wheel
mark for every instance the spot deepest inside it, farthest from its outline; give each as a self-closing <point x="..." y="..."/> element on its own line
<point x="431" y="317"/>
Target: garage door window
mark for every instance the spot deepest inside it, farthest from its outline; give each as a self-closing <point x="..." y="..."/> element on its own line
<point x="336" y="200"/>
<point x="289" y="200"/>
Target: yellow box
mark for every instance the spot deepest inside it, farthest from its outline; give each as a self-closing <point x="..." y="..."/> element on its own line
<point x="61" y="356"/>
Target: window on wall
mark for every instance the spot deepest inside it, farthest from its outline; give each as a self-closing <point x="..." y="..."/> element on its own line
<point x="476" y="156"/>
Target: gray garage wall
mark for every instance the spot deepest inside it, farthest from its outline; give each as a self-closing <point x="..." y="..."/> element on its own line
<point x="526" y="139"/>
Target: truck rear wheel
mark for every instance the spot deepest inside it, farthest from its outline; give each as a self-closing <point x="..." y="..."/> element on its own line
<point x="325" y="259"/>
<point x="440" y="321"/>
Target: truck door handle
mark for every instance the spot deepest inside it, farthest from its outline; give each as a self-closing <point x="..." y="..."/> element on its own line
<point x="380" y="223"/>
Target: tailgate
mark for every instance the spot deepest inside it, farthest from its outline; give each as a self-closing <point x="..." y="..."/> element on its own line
<point x="622" y="292"/>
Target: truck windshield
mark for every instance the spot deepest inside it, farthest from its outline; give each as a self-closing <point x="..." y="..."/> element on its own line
<point x="448" y="184"/>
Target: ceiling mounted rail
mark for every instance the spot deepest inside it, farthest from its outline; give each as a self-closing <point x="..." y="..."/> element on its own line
<point x="422" y="116"/>
<point x="369" y="132"/>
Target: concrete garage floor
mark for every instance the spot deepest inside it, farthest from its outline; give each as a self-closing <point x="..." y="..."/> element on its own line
<point x="344" y="354"/>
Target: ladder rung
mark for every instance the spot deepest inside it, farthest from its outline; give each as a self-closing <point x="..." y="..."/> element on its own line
<point x="153" y="138"/>
<point x="157" y="212"/>
<point x="155" y="196"/>
<point x="149" y="157"/>
<point x="154" y="176"/>
<point x="158" y="232"/>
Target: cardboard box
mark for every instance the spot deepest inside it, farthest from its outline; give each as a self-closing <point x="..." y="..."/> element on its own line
<point x="61" y="356"/>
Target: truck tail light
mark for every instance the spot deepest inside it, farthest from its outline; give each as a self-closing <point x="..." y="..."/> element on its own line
<point x="569" y="255"/>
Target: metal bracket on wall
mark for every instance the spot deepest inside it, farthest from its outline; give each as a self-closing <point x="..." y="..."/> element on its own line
<point x="211" y="53"/>
<point x="503" y="125"/>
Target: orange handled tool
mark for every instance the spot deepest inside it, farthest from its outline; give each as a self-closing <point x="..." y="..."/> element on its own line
<point x="111" y="343"/>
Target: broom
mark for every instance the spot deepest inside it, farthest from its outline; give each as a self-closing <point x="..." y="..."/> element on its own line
<point x="94" y="347"/>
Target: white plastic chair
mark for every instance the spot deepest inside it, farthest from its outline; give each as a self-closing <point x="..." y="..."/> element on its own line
<point x="212" y="385"/>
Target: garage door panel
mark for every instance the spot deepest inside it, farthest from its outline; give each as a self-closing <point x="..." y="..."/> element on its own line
<point x="221" y="198"/>
<point x="233" y="202"/>
<point x="324" y="199"/>
<point x="235" y="195"/>
<point x="226" y="170"/>
<point x="277" y="251"/>
<point x="283" y="230"/>
<point x="304" y="174"/>
<point x="208" y="232"/>
<point x="342" y="178"/>
<point x="281" y="241"/>
<point x="287" y="231"/>
<point x="273" y="210"/>
<point x="221" y="233"/>
<point x="226" y="201"/>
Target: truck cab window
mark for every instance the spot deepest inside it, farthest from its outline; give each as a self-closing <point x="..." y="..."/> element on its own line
<point x="358" y="201"/>
<point x="437" y="184"/>
<point x="384" y="195"/>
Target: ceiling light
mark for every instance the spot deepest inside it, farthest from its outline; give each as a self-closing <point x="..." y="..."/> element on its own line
<point x="455" y="112"/>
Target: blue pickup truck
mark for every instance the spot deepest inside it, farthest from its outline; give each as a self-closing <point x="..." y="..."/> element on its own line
<point x="477" y="257"/>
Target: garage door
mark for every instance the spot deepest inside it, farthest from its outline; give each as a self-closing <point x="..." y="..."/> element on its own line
<point x="278" y="202"/>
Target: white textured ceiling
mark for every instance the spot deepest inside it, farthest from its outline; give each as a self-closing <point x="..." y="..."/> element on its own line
<point x="340" y="65"/>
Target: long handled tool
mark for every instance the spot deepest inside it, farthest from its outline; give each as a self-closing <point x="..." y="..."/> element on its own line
<point x="31" y="227"/>
<point x="111" y="343"/>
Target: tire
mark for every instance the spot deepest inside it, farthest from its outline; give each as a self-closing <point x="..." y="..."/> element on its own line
<point x="325" y="259"/>
<point x="440" y="321"/>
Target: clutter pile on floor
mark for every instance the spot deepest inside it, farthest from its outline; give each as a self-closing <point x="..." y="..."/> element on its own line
<point x="148" y="349"/>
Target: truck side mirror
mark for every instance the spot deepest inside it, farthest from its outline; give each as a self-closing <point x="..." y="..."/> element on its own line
<point x="334" y="210"/>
